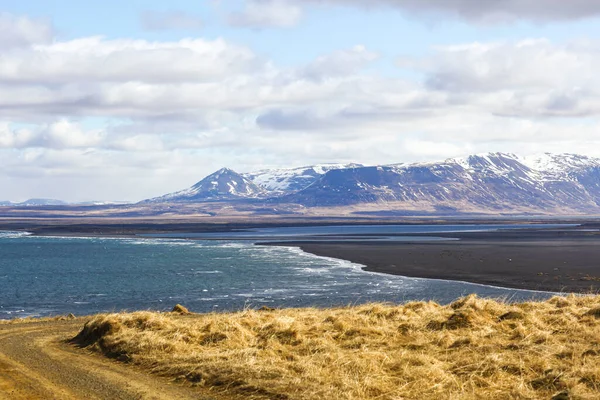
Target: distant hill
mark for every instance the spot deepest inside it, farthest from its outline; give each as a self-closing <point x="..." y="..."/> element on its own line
<point x="35" y="203"/>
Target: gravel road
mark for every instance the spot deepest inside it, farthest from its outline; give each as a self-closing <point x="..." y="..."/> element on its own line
<point x="37" y="362"/>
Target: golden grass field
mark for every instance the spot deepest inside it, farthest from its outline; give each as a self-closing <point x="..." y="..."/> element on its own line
<point x="471" y="349"/>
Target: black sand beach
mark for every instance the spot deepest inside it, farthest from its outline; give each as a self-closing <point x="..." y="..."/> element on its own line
<point x="548" y="265"/>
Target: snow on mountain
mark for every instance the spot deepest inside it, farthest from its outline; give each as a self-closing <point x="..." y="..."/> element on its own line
<point x="559" y="164"/>
<point x="100" y="203"/>
<point x="490" y="182"/>
<point x="41" y="202"/>
<point x="225" y="184"/>
<point x="289" y="180"/>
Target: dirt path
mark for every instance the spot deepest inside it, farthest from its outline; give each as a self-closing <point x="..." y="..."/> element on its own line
<point x="37" y="363"/>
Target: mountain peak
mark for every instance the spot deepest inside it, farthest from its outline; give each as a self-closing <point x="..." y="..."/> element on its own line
<point x="224" y="184"/>
<point x="289" y="180"/>
<point x="223" y="170"/>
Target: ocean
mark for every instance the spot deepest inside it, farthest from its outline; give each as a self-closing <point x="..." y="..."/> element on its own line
<point x="42" y="276"/>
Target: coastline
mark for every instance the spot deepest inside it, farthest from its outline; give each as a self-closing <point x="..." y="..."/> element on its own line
<point x="561" y="260"/>
<point x="545" y="266"/>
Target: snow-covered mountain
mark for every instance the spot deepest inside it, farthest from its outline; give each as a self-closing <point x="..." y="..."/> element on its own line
<point x="100" y="203"/>
<point x="492" y="182"/>
<point x="43" y="202"/>
<point x="289" y="180"/>
<point x="35" y="203"/>
<point x="225" y="184"/>
<point x="558" y="166"/>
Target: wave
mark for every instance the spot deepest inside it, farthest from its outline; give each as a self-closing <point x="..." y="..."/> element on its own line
<point x="335" y="262"/>
<point x="207" y="272"/>
<point x="359" y="267"/>
<point x="508" y="289"/>
<point x="13" y="234"/>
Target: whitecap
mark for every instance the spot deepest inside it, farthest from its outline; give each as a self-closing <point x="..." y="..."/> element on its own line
<point x="13" y="234"/>
<point x="208" y="272"/>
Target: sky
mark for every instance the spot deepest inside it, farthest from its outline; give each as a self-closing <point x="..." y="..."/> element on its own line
<point x="131" y="99"/>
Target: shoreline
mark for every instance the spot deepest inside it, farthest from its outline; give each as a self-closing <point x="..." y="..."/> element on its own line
<point x="555" y="260"/>
<point x="365" y="268"/>
<point x="542" y="266"/>
<point x="124" y="227"/>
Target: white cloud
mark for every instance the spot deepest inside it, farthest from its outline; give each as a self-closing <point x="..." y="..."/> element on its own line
<point x="339" y="63"/>
<point x="198" y="85"/>
<point x="170" y="20"/>
<point x="14" y="139"/>
<point x="65" y="134"/>
<point x="17" y="32"/>
<point x="511" y="65"/>
<point x="96" y="59"/>
<point x="267" y="13"/>
<point x="61" y="134"/>
<point x="437" y="149"/>
<point x="525" y="78"/>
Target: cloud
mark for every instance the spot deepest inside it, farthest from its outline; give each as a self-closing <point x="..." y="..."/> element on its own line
<point x="170" y="20"/>
<point x="514" y="78"/>
<point x="510" y="65"/>
<point x="20" y="31"/>
<point x="14" y="139"/>
<point x="165" y="113"/>
<point x="339" y="63"/>
<point x="267" y="13"/>
<point x="97" y="77"/>
<point x="278" y="119"/>
<point x="436" y="148"/>
<point x="61" y="134"/>
<point x="198" y="85"/>
<point x="123" y="60"/>
<point x="483" y="11"/>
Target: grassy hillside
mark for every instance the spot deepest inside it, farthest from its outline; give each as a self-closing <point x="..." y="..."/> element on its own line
<point x="471" y="349"/>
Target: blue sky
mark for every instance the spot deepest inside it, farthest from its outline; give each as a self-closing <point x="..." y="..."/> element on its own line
<point x="123" y="100"/>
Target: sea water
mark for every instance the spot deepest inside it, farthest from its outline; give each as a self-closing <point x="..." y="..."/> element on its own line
<point x="42" y="276"/>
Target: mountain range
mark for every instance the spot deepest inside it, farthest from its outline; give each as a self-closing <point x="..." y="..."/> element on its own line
<point x="34" y="203"/>
<point x="488" y="183"/>
<point x="226" y="184"/>
<point x="56" y="203"/>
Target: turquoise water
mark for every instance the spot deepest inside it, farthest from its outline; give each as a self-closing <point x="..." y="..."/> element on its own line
<point x="42" y="276"/>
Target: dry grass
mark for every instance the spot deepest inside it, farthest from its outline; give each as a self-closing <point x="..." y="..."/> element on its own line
<point x="471" y="349"/>
<point x="31" y="320"/>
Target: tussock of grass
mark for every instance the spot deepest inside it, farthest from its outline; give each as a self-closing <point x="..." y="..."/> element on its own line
<point x="472" y="349"/>
<point x="179" y="309"/>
